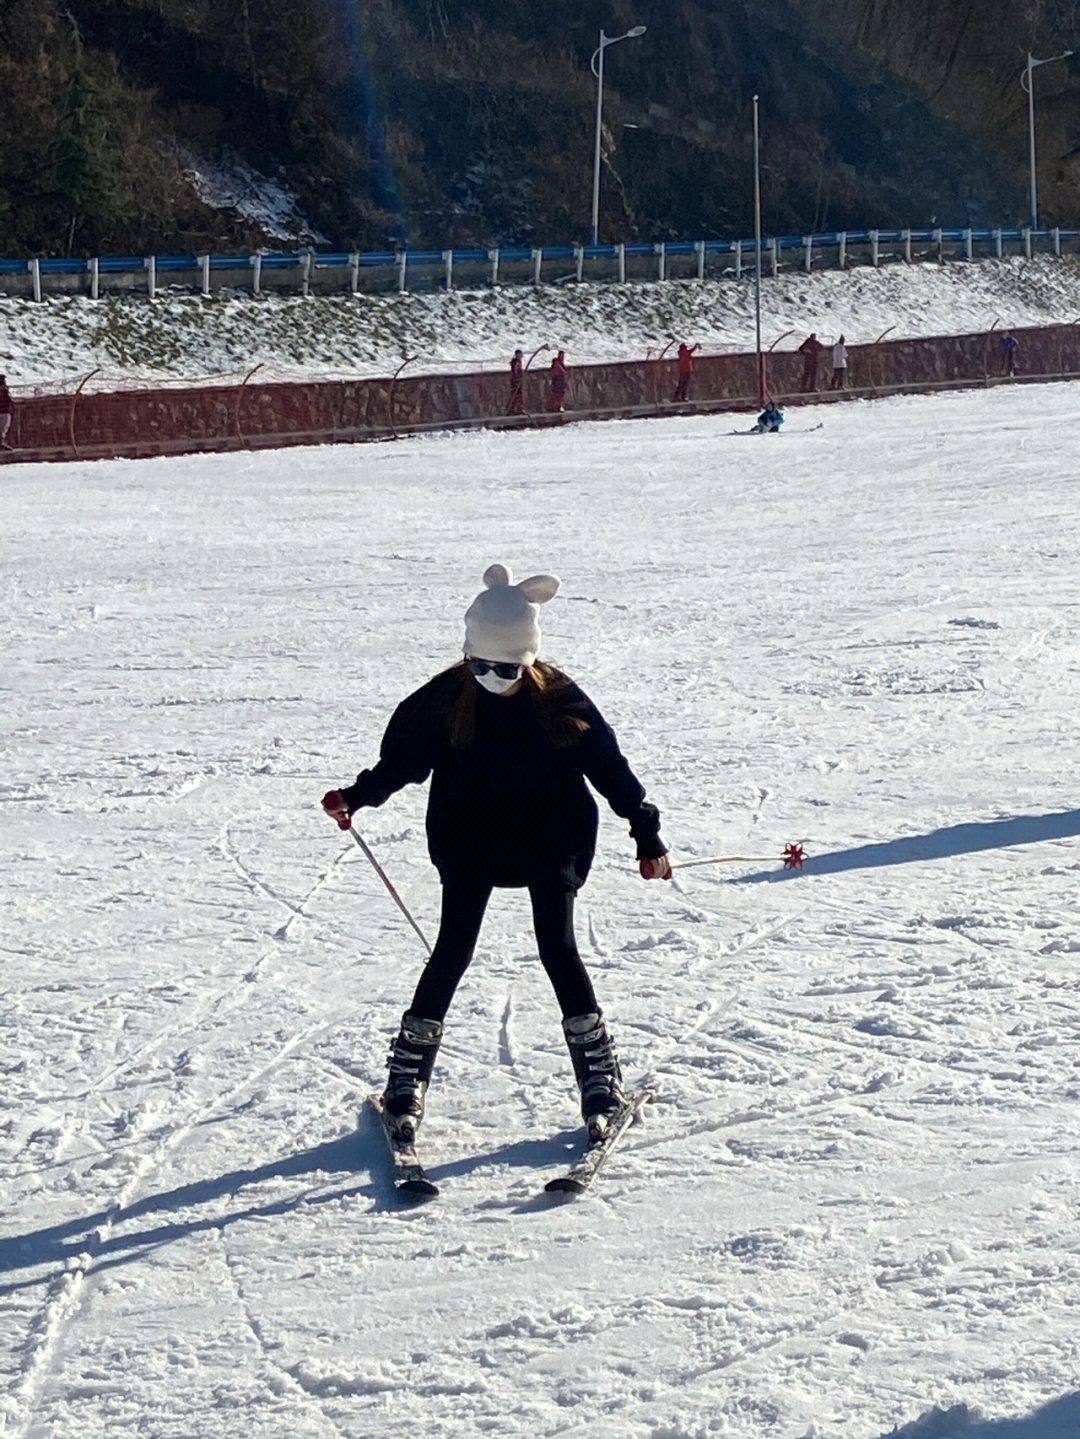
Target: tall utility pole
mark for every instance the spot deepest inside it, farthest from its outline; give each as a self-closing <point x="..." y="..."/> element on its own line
<point x="596" y="65"/>
<point x="1025" y="82"/>
<point x="757" y="260"/>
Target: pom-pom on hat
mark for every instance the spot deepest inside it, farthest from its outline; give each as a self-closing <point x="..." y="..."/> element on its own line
<point x="503" y="622"/>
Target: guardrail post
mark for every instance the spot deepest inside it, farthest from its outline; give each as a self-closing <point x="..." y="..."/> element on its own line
<point x="969" y="249"/>
<point x="493" y="256"/>
<point x="537" y="259"/>
<point x="95" y="277"/>
<point x="841" y="255"/>
<point x="401" y="262"/>
<point x="354" y="272"/>
<point x="699" y="251"/>
<point x="151" y="276"/>
<point x="34" y="266"/>
<point x="448" y="260"/>
<point x="940" y="243"/>
<point x="256" y="274"/>
<point x="305" y="272"/>
<point x="997" y="242"/>
<point x="204" y="263"/>
<point x="622" y="264"/>
<point x="774" y="256"/>
<point x="1027" y="242"/>
<point x="808" y="256"/>
<point x="738" y="259"/>
<point x="875" y="252"/>
<point x="579" y="262"/>
<point x="661" y="260"/>
<point x="907" y="245"/>
<point x="1056" y="234"/>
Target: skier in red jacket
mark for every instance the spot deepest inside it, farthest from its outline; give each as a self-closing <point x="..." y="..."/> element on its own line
<point x="810" y="350"/>
<point x="6" y="408"/>
<point x="557" y="389"/>
<point x="686" y="368"/>
<point x="517" y="386"/>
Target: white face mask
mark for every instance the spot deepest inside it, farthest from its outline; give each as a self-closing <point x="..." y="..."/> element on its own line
<point x="494" y="684"/>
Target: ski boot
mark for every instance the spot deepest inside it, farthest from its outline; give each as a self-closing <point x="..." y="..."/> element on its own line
<point x="410" y="1062"/>
<point x="596" y="1069"/>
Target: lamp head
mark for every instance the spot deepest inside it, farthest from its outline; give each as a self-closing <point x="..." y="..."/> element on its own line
<point x="636" y="31"/>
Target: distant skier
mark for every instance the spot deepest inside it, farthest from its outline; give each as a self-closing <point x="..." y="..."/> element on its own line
<point x="1009" y="346"/>
<point x="517" y="385"/>
<point x="810" y="350"/>
<point x="509" y="742"/>
<point x="6" y="409"/>
<point x="769" y="421"/>
<point x="686" y="369"/>
<point x="557" y="389"/>
<point x="839" y="364"/>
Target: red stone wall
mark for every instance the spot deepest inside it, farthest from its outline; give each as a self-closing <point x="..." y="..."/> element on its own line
<point x="173" y="419"/>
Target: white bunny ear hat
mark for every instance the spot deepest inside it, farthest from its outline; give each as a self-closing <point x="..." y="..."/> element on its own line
<point x="503" y="622"/>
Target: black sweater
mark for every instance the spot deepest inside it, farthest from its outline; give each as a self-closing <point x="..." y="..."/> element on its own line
<point x="512" y="804"/>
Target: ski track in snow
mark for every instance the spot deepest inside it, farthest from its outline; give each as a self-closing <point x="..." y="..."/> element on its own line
<point x="852" y="1204"/>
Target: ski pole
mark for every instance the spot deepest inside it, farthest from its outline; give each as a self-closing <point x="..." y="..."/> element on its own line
<point x="377" y="867"/>
<point x="793" y="857"/>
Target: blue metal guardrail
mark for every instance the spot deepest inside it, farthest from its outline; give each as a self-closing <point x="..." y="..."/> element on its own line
<point x="181" y="264"/>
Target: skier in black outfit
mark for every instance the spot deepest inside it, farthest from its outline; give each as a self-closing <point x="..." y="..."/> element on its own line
<point x="509" y="742"/>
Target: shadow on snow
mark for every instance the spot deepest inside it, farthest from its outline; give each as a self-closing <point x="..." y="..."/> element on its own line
<point x="1057" y="1420"/>
<point x="938" y="844"/>
<point x="105" y="1238"/>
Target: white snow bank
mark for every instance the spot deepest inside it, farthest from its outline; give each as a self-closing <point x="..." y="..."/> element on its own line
<point x="184" y="335"/>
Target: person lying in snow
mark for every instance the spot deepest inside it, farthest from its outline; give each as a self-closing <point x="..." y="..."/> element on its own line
<point x="509" y="742"/>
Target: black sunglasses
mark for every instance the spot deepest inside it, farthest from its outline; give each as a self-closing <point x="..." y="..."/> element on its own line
<point x="504" y="670"/>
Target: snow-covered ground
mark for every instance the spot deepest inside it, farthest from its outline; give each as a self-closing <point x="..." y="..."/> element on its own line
<point x="181" y="335"/>
<point x="853" y="1208"/>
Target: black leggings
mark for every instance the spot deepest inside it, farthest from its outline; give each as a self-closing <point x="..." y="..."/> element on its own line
<point x="463" y="905"/>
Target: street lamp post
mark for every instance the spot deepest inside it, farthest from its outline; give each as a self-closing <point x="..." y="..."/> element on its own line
<point x="596" y="65"/>
<point x="1025" y="82"/>
<point x="757" y="258"/>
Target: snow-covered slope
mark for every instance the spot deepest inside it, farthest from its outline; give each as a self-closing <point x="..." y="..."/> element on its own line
<point x="186" y="336"/>
<point x="854" y="1206"/>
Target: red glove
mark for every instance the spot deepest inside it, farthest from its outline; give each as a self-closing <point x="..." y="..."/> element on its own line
<point x="655" y="868"/>
<point x="336" y="808"/>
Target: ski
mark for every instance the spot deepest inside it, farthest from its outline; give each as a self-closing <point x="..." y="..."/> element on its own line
<point x="584" y="1170"/>
<point x="409" y="1175"/>
<point x="808" y="431"/>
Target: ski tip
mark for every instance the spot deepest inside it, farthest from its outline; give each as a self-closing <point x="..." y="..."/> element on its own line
<point x="564" y="1185"/>
<point x="418" y="1188"/>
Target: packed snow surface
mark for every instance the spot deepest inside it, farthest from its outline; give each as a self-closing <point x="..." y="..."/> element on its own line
<point x="183" y="336"/>
<point x="852" y="1211"/>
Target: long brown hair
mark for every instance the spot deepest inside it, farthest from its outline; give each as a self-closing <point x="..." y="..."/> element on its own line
<point x="546" y="687"/>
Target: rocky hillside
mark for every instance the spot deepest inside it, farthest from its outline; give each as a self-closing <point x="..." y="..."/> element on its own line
<point x="450" y="124"/>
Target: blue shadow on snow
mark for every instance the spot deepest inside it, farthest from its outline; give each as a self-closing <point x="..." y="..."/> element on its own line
<point x="364" y="1149"/>
<point x="1058" y="1420"/>
<point x="938" y="844"/>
